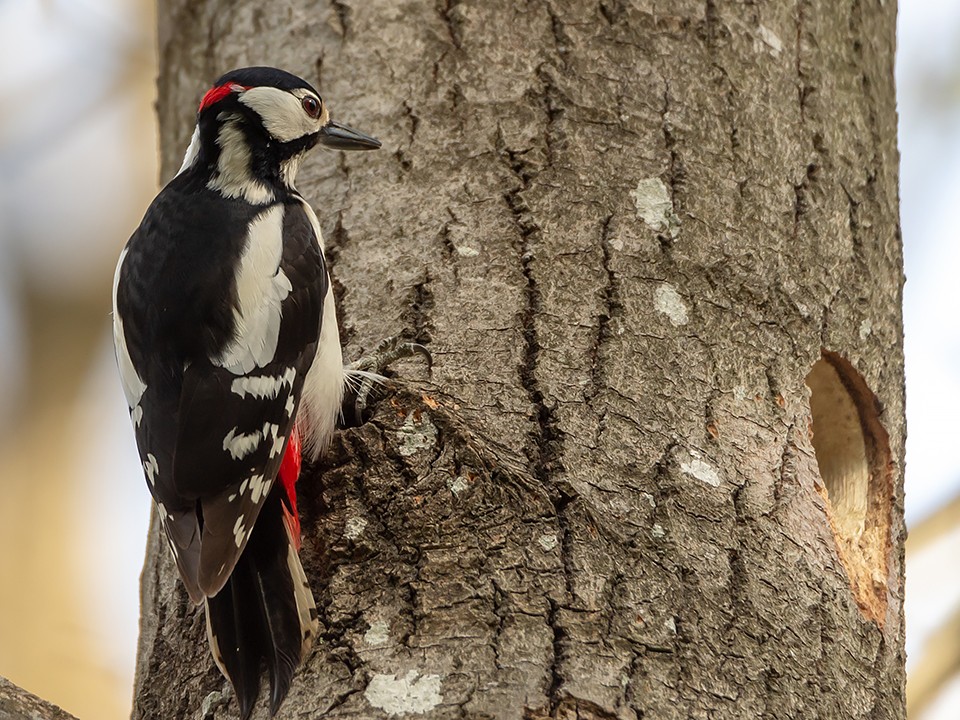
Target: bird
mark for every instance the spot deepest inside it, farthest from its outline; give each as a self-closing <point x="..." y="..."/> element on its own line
<point x="229" y="357"/>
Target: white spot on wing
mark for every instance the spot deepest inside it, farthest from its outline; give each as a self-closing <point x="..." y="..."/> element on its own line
<point x="263" y="387"/>
<point x="256" y="488"/>
<point x="136" y="415"/>
<point x="277" y="447"/>
<point x="270" y="432"/>
<point x="238" y="531"/>
<point x="242" y="444"/>
<point x="261" y="288"/>
<point x="150" y="469"/>
<point x="411" y="693"/>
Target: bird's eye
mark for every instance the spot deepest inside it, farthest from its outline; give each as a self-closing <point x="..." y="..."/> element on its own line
<point x="311" y="106"/>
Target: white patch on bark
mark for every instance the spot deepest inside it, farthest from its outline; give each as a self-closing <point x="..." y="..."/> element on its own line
<point x="411" y="694"/>
<point x="771" y="40"/>
<point x="668" y="301"/>
<point x="654" y="206"/>
<point x="866" y="327"/>
<point x="378" y="634"/>
<point x="458" y="484"/>
<point x="548" y="541"/>
<point x="354" y="527"/>
<point x="416" y="435"/>
<point x="466" y="251"/>
<point x="703" y="471"/>
<point x="657" y="530"/>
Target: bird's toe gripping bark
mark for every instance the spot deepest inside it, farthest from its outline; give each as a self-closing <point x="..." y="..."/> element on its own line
<point x="366" y="373"/>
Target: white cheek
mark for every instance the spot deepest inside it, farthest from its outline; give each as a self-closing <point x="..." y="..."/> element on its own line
<point x="282" y="114"/>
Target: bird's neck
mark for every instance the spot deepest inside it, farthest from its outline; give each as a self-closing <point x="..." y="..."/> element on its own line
<point x="240" y="162"/>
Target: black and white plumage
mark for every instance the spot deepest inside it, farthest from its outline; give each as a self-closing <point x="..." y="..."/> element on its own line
<point x="226" y="335"/>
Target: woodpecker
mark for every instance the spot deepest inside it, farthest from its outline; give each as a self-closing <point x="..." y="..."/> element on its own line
<point x="229" y="355"/>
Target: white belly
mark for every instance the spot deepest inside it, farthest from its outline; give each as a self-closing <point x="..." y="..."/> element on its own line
<point x="323" y="388"/>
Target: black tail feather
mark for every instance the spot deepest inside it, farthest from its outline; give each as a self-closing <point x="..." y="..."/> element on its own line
<point x="258" y="617"/>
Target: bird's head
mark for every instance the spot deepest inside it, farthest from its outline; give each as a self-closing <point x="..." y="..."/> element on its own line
<point x="254" y="126"/>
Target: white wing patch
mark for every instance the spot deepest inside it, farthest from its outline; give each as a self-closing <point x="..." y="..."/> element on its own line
<point x="239" y="445"/>
<point x="239" y="531"/>
<point x="258" y="487"/>
<point x="133" y="385"/>
<point x="263" y="387"/>
<point x="261" y="288"/>
<point x="242" y="444"/>
<point x="150" y="469"/>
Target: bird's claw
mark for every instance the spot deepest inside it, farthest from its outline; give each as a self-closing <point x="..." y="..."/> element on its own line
<point x="363" y="374"/>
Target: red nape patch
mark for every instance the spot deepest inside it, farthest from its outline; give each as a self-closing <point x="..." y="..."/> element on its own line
<point x="216" y="94"/>
<point x="289" y="473"/>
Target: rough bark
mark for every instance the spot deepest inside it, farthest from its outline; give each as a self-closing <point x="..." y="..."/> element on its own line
<point x="628" y="232"/>
<point x="18" y="704"/>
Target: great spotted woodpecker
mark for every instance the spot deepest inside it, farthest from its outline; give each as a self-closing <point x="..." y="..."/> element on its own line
<point x="225" y="334"/>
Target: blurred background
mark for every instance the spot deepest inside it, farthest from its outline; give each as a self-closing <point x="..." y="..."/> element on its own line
<point x="78" y="166"/>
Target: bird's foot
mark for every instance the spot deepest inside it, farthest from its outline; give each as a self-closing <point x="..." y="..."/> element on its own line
<point x="366" y="373"/>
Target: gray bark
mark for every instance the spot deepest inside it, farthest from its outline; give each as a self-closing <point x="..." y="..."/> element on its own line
<point x="18" y="704"/>
<point x="627" y="232"/>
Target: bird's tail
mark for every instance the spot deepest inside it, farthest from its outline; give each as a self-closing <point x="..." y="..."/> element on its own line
<point x="265" y="612"/>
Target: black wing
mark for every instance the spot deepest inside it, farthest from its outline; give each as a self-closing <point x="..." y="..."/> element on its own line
<point x="214" y="437"/>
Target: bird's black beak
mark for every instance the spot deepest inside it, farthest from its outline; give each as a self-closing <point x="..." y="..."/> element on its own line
<point x="340" y="137"/>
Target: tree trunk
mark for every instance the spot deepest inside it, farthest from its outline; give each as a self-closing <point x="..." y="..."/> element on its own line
<point x="18" y="704"/>
<point x="656" y="471"/>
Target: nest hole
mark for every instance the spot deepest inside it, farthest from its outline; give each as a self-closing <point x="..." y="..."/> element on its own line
<point x="855" y="463"/>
